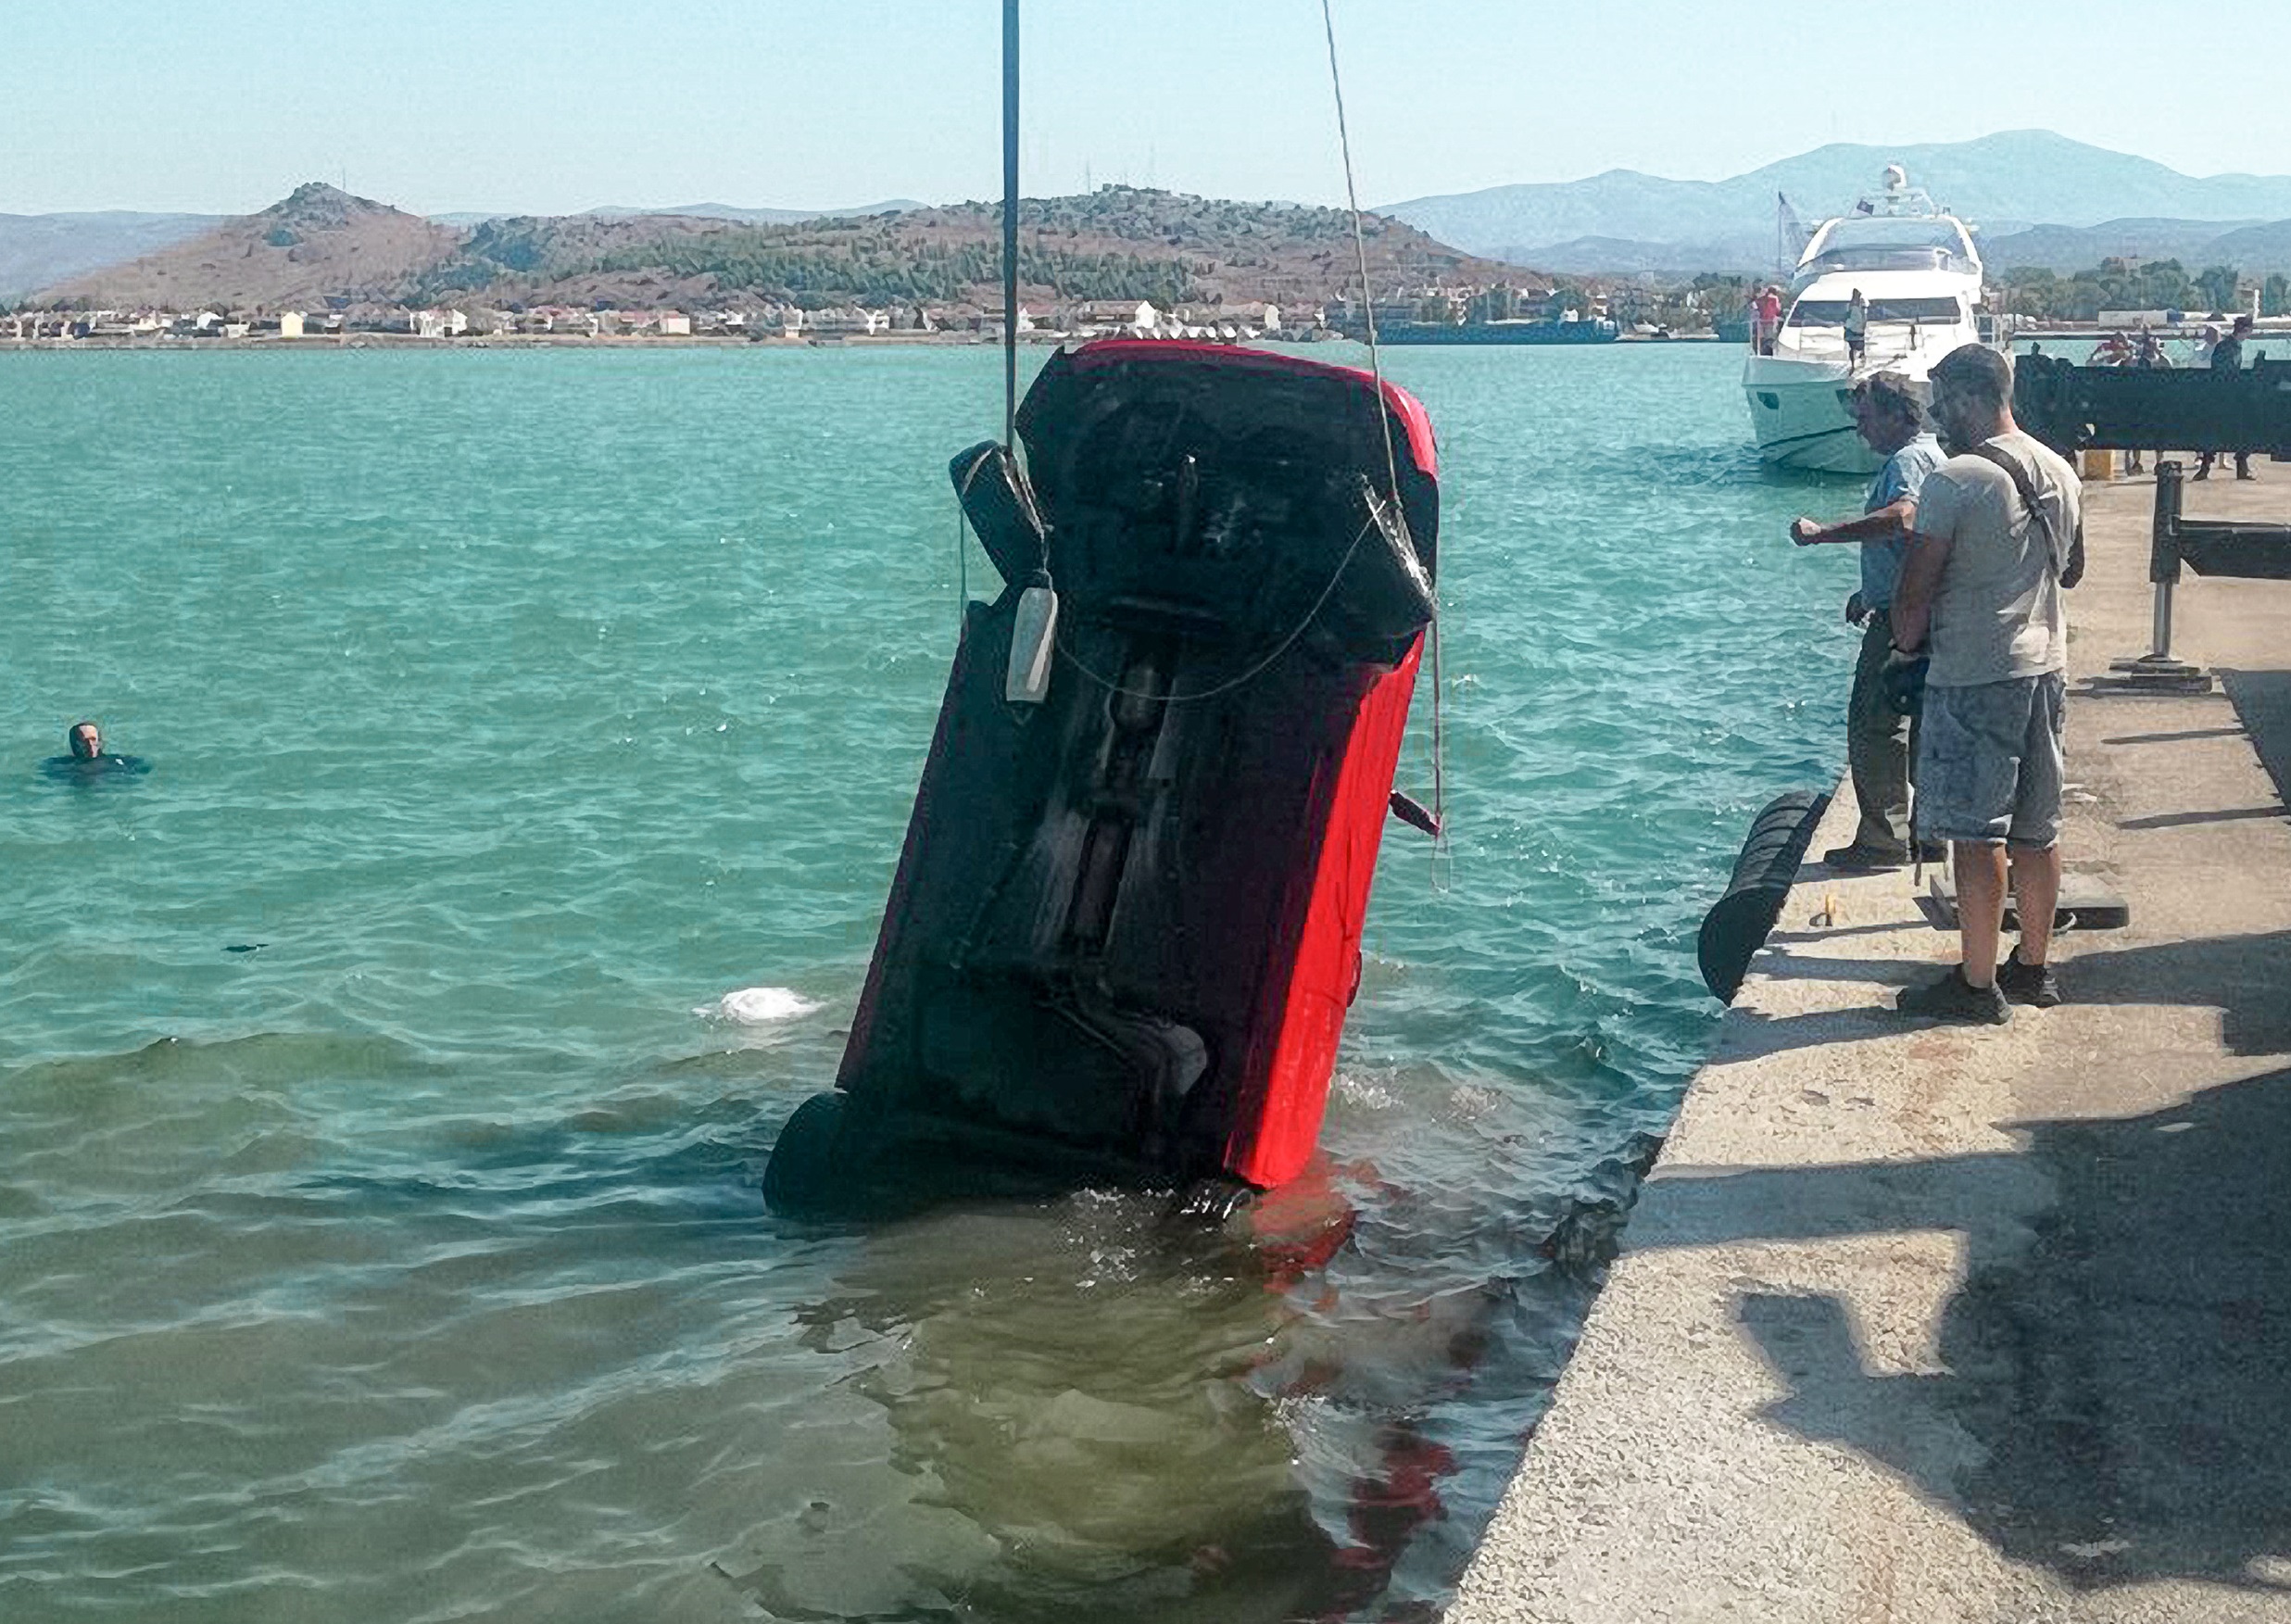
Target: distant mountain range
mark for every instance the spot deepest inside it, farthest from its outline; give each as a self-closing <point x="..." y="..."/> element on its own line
<point x="2249" y="246"/>
<point x="322" y="250"/>
<point x="2038" y="199"/>
<point x="37" y="249"/>
<point x="1623" y="221"/>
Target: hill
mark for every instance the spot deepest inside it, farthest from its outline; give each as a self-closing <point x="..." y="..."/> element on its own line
<point x="2253" y="248"/>
<point x="321" y="247"/>
<point x="1629" y="257"/>
<point x="2064" y="248"/>
<point x="2016" y="178"/>
<point x="315" y="245"/>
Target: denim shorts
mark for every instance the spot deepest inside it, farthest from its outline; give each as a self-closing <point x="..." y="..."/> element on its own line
<point x="1989" y="765"/>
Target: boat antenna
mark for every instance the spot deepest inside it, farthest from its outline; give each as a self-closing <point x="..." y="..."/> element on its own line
<point x="1384" y="419"/>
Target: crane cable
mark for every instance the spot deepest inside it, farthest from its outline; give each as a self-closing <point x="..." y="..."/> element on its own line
<point x="1010" y="306"/>
<point x="1384" y="420"/>
<point x="1376" y="367"/>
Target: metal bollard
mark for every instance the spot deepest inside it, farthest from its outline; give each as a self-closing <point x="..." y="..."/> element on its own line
<point x="2163" y="558"/>
<point x="2157" y="670"/>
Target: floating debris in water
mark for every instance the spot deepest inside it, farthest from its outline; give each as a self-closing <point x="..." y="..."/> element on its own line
<point x="246" y="947"/>
<point x="758" y="1006"/>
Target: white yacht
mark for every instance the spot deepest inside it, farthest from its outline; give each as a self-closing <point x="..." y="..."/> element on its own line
<point x="1917" y="268"/>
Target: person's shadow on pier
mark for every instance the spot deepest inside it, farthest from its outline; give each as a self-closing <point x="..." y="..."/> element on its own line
<point x="2126" y="1377"/>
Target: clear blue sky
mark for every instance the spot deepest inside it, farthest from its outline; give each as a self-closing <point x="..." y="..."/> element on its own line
<point x="550" y="108"/>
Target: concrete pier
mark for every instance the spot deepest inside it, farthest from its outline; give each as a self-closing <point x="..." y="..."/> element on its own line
<point x="1983" y="1325"/>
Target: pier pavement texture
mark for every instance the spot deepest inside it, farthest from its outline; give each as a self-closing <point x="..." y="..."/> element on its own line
<point x="1925" y="1323"/>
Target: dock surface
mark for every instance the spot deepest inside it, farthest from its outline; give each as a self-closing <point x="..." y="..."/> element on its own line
<point x="1915" y="1322"/>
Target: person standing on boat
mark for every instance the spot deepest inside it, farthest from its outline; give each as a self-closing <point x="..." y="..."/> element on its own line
<point x="1857" y="330"/>
<point x="1998" y="540"/>
<point x="1769" y="319"/>
<point x="1889" y="413"/>
<point x="2227" y="356"/>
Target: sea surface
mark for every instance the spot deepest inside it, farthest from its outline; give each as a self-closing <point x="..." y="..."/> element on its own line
<point x="385" y="1075"/>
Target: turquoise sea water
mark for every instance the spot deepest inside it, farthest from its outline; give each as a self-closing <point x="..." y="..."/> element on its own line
<point x="385" y="1079"/>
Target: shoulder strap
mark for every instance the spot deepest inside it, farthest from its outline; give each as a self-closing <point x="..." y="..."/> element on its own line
<point x="2067" y="565"/>
<point x="1987" y="452"/>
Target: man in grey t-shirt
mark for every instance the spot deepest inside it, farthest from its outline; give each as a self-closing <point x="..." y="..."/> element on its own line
<point x="1983" y="582"/>
<point x="1889" y="412"/>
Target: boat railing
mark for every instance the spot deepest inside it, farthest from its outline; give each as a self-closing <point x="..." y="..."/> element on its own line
<point x="1886" y="344"/>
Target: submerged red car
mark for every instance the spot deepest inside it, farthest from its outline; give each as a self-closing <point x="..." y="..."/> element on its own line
<point x="1125" y="924"/>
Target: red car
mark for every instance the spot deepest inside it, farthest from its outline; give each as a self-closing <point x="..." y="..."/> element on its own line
<point x="1126" y="923"/>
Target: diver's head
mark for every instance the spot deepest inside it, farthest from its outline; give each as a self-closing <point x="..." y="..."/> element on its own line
<point x="86" y="742"/>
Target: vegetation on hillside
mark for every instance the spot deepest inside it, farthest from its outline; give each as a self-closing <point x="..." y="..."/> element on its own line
<point x="1116" y="242"/>
<point x="2124" y="284"/>
<point x="1174" y="219"/>
<point x="882" y="268"/>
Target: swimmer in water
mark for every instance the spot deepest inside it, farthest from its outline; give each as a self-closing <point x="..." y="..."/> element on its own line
<point x="88" y="759"/>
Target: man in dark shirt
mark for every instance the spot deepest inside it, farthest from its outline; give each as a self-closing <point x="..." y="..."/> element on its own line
<point x="2227" y="356"/>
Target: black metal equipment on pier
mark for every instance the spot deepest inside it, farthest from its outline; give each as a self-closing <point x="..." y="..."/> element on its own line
<point x="2074" y="408"/>
<point x="2209" y="547"/>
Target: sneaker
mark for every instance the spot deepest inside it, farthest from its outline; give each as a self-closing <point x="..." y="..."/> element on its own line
<point x="1952" y="999"/>
<point x="1860" y="859"/>
<point x="2034" y="985"/>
